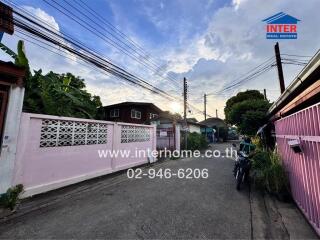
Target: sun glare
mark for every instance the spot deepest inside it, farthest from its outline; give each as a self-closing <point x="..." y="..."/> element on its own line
<point x="175" y="107"/>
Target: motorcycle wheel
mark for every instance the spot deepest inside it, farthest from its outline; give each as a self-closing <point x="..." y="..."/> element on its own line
<point x="239" y="179"/>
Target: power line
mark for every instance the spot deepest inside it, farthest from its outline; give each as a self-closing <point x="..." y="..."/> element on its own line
<point x="254" y="72"/>
<point x="247" y="78"/>
<point x="91" y="58"/>
<point x="68" y="36"/>
<point x="115" y="29"/>
<point x="54" y="37"/>
<point x="101" y="35"/>
<point x="292" y="55"/>
<point x="65" y="54"/>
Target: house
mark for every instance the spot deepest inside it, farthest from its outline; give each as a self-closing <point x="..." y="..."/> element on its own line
<point x="216" y="128"/>
<point x="294" y="122"/>
<point x="192" y="120"/>
<point x="167" y="120"/>
<point x="194" y="126"/>
<point x="131" y="112"/>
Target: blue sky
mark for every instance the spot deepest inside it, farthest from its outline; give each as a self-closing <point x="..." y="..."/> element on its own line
<point x="211" y="42"/>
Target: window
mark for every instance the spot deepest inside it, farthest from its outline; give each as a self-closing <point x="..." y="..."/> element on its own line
<point x="135" y="114"/>
<point x="114" y="113"/>
<point x="152" y="115"/>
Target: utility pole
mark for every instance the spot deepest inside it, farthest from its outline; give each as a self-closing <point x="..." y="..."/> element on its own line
<point x="216" y="113"/>
<point x="185" y="99"/>
<point x="205" y="106"/>
<point x="265" y="94"/>
<point x="279" y="66"/>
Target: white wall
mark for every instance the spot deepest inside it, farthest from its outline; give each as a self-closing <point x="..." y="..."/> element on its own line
<point x="194" y="128"/>
<point x="10" y="136"/>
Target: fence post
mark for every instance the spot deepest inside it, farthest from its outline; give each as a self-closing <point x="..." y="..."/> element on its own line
<point x="177" y="136"/>
<point x="116" y="139"/>
<point x="154" y="140"/>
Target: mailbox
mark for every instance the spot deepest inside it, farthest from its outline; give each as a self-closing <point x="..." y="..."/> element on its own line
<point x="295" y="145"/>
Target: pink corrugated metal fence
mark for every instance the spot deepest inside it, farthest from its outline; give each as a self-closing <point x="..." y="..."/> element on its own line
<point x="303" y="168"/>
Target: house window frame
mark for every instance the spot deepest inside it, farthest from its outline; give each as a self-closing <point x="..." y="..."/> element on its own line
<point x="113" y="111"/>
<point x="135" y="114"/>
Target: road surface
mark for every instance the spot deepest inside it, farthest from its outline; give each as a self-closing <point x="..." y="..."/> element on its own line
<point x="118" y="207"/>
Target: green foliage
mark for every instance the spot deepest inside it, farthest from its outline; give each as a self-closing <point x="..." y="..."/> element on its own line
<point x="55" y="94"/>
<point x="60" y="94"/>
<point x="196" y="141"/>
<point x="21" y="59"/>
<point x="257" y="142"/>
<point x="242" y="96"/>
<point x="11" y="197"/>
<point x="268" y="172"/>
<point x="247" y="110"/>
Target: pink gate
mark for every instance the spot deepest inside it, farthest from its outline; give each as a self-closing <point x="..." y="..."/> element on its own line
<point x="303" y="168"/>
<point x="166" y="139"/>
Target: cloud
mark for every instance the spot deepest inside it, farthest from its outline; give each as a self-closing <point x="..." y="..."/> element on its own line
<point x="234" y="43"/>
<point x="110" y="89"/>
<point x="161" y="5"/>
<point x="211" y="45"/>
<point x="43" y="16"/>
<point x="237" y="3"/>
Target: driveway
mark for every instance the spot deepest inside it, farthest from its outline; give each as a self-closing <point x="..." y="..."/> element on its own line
<point x="118" y="207"/>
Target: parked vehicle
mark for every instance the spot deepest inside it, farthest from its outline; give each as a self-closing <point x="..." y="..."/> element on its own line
<point x="243" y="164"/>
<point x="242" y="168"/>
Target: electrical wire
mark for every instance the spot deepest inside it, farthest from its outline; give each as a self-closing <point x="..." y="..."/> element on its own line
<point x="254" y="72"/>
<point x="98" y="33"/>
<point x="95" y="14"/>
<point x="109" y="67"/>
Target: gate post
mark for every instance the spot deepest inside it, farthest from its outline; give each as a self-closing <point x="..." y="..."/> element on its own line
<point x="177" y="137"/>
<point x="116" y="140"/>
<point x="10" y="137"/>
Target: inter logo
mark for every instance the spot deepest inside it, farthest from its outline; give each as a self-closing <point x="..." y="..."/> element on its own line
<point x="281" y="26"/>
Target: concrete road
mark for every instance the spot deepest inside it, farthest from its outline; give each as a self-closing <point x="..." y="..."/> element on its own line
<point x="119" y="207"/>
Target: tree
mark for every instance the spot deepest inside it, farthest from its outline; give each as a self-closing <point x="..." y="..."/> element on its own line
<point x="248" y="111"/>
<point x="60" y="94"/>
<point x="241" y="96"/>
<point x="53" y="93"/>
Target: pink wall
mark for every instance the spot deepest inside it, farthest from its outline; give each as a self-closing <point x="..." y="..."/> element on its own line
<point x="303" y="168"/>
<point x="41" y="169"/>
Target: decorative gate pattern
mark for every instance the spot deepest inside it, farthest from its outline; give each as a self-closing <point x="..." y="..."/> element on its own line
<point x="303" y="168"/>
<point x="56" y="133"/>
<point x="134" y="134"/>
<point x="89" y="150"/>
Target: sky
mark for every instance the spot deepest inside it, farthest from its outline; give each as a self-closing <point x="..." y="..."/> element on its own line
<point x="210" y="42"/>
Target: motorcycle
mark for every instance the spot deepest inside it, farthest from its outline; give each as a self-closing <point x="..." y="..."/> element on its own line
<point x="242" y="167"/>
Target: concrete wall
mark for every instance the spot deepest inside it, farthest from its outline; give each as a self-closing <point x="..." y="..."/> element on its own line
<point x="10" y="136"/>
<point x="303" y="168"/>
<point x="58" y="151"/>
<point x="194" y="128"/>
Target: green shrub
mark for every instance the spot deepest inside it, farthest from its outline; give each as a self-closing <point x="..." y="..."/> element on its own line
<point x="196" y="141"/>
<point x="11" y="197"/>
<point x="268" y="172"/>
<point x="257" y="141"/>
